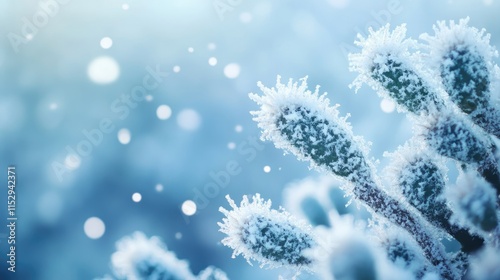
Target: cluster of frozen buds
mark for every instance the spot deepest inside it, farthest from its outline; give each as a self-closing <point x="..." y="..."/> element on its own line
<point x="458" y="118"/>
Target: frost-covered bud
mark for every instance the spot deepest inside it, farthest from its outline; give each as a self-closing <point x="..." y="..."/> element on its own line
<point x="452" y="137"/>
<point x="405" y="255"/>
<point x="354" y="253"/>
<point x="422" y="181"/>
<point x="304" y="124"/>
<point x="464" y="58"/>
<point x="138" y="258"/>
<point x="474" y="202"/>
<point x="212" y="273"/>
<point x="386" y="64"/>
<point x="270" y="237"/>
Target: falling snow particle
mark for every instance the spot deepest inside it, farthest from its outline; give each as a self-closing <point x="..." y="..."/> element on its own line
<point x="232" y="70"/>
<point x="212" y="61"/>
<point x="188" y="119"/>
<point x="53" y="106"/>
<point x="103" y="70"/>
<point x="211" y="46"/>
<point x="178" y="235"/>
<point x="136" y="197"/>
<point x="149" y="98"/>
<point x="125" y="7"/>
<point x="267" y="168"/>
<point x="190" y="50"/>
<point x="238" y="128"/>
<point x="94" y="228"/>
<point x="124" y="136"/>
<point x="188" y="208"/>
<point x="106" y="43"/>
<point x="176" y="69"/>
<point x="163" y="112"/>
<point x="159" y="187"/>
<point x="231" y="145"/>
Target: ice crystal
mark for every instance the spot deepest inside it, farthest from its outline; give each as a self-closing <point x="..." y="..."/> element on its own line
<point x="272" y="238"/>
<point x="386" y="64"/>
<point x="302" y="122"/>
<point x="140" y="258"/>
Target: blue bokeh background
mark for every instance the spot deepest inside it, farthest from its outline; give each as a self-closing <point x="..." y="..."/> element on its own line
<point x="47" y="99"/>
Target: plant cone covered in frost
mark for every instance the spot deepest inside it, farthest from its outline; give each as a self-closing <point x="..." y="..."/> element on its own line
<point x="474" y="202"/>
<point x="464" y="58"/>
<point x="139" y="258"/>
<point x="385" y="63"/>
<point x="303" y="122"/>
<point x="270" y="237"/>
<point x="420" y="177"/>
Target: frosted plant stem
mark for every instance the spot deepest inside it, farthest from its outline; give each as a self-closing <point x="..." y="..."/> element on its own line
<point x="393" y="211"/>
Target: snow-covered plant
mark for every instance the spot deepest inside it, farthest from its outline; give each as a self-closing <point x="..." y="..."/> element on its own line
<point x="303" y="123"/>
<point x="272" y="238"/>
<point x="141" y="258"/>
<point x="386" y="64"/>
<point x="421" y="179"/>
<point x="446" y="88"/>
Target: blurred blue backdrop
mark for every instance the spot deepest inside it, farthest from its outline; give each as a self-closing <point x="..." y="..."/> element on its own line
<point x="68" y="67"/>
